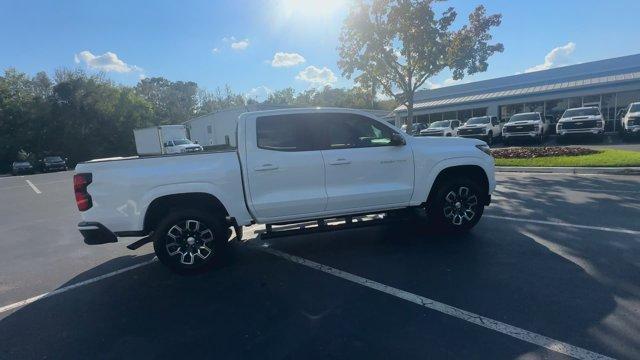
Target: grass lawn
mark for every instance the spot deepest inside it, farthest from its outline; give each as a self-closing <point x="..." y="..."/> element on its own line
<point x="609" y="157"/>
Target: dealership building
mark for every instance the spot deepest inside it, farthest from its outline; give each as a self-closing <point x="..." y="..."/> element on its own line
<point x="610" y="84"/>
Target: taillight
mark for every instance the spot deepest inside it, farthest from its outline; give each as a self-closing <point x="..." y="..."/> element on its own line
<point x="80" y="183"/>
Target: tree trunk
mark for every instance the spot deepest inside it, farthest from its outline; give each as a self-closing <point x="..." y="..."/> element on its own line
<point x="409" y="120"/>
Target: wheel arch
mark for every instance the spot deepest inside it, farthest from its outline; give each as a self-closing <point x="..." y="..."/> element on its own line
<point x="162" y="205"/>
<point x="473" y="171"/>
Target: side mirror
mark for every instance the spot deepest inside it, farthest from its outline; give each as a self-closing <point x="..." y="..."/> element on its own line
<point x="397" y="140"/>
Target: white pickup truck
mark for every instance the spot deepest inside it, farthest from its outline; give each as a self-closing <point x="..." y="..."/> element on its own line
<point x="290" y="165"/>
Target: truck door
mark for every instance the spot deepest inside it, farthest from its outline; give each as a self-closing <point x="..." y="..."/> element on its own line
<point x="285" y="169"/>
<point x="364" y="170"/>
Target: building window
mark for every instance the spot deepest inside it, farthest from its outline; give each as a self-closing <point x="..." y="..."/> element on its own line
<point x="534" y="107"/>
<point x="450" y="115"/>
<point x="464" y="115"/>
<point x="435" y="117"/>
<point x="507" y="111"/>
<point x="575" y="102"/>
<point x="479" y="112"/>
<point x="555" y="108"/>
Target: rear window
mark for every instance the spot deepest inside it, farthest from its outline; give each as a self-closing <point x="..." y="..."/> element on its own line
<point x="284" y="133"/>
<point x="581" y="112"/>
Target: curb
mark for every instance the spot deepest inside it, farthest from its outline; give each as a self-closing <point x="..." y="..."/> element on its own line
<point x="570" y="170"/>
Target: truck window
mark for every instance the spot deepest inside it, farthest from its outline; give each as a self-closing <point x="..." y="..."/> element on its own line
<point x="284" y="133"/>
<point x="355" y="131"/>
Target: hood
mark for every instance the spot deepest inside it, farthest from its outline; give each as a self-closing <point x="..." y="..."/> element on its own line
<point x="524" y="122"/>
<point x="459" y="141"/>
<point x="472" y="126"/>
<point x="634" y="114"/>
<point x="581" y="118"/>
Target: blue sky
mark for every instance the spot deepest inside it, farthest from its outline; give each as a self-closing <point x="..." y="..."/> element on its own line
<point x="176" y="39"/>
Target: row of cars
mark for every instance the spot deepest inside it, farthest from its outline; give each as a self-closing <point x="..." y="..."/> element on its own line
<point x="531" y="125"/>
<point x="46" y="164"/>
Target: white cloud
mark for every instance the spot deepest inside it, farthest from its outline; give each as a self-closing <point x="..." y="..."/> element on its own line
<point x="106" y="62"/>
<point x="316" y="76"/>
<point x="215" y="50"/>
<point x="260" y="93"/>
<point x="283" y="59"/>
<point x="229" y="38"/>
<point x="559" y="56"/>
<point x="240" y="45"/>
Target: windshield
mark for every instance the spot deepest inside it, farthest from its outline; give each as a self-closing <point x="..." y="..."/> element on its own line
<point x="634" y="107"/>
<point x="525" y="117"/>
<point x="182" y="142"/>
<point x="440" y="124"/>
<point x="478" y="120"/>
<point x="581" y="112"/>
<point x="52" y="158"/>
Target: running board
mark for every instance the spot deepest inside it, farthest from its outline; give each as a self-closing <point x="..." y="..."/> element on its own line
<point x="324" y="225"/>
<point x="138" y="244"/>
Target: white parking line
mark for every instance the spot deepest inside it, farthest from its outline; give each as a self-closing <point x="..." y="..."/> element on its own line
<point x="557" y="223"/>
<point x="33" y="187"/>
<point x="513" y="331"/>
<point x="71" y="287"/>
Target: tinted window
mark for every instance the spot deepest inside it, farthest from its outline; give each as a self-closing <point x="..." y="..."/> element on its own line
<point x="478" y="120"/>
<point x="525" y="117"/>
<point x="289" y="132"/>
<point x="355" y="131"/>
<point x="581" y="112"/>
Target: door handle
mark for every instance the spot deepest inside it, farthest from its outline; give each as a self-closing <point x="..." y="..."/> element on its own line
<point x="340" y="161"/>
<point x="266" y="167"/>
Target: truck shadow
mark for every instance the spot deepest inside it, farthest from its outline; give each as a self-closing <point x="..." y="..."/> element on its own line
<point x="260" y="306"/>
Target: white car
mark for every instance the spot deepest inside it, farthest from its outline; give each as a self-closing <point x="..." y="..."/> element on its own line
<point x="580" y="121"/>
<point x="180" y="146"/>
<point x="291" y="165"/>
<point x="531" y="125"/>
<point x="445" y="128"/>
<point x="486" y="128"/>
<point x="631" y="120"/>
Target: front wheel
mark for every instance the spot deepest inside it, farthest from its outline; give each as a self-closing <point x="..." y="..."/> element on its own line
<point x="189" y="241"/>
<point x="457" y="205"/>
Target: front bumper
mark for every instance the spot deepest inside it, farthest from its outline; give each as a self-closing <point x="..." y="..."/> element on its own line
<point x="591" y="131"/>
<point x="528" y="134"/>
<point x="55" y="168"/>
<point x="22" y="170"/>
<point x="95" y="233"/>
<point x="633" y="129"/>
<point x="484" y="137"/>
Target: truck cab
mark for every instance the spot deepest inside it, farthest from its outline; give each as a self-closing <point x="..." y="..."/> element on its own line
<point x="180" y="145"/>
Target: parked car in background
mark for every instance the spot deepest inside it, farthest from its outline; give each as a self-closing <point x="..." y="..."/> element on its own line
<point x="415" y="128"/>
<point x="181" y="145"/>
<point x="531" y="125"/>
<point x="53" y="163"/>
<point x="580" y="121"/>
<point x="446" y="128"/>
<point x="290" y="165"/>
<point x="21" y="167"/>
<point x="631" y="121"/>
<point x="486" y="128"/>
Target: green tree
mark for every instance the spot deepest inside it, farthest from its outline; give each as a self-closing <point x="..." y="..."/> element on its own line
<point x="399" y="44"/>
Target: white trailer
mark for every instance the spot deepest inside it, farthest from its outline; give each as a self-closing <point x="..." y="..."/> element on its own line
<point x="154" y="140"/>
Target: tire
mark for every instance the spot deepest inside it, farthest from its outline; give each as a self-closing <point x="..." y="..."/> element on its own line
<point x="190" y="241"/>
<point x="453" y="209"/>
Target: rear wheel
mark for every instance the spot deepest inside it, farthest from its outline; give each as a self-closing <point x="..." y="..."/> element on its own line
<point x="457" y="205"/>
<point x="189" y="241"/>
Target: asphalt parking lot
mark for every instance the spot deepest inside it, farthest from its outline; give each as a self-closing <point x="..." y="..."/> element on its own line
<point x="552" y="270"/>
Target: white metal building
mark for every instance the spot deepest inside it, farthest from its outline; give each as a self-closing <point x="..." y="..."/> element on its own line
<point x="610" y="84"/>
